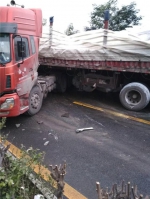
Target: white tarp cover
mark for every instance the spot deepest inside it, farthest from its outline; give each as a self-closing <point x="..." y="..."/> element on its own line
<point x="94" y="45"/>
<point x="142" y="32"/>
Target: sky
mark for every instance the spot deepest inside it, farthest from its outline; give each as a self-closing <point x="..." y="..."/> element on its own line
<point x="76" y="11"/>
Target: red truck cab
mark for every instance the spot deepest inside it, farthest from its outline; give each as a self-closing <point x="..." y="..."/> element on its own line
<point x="20" y="31"/>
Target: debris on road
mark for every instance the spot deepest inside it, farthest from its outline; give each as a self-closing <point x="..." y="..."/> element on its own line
<point x="17" y="125"/>
<point x="84" y="129"/>
<point x="23" y="129"/>
<point x="55" y="136"/>
<point x="44" y="138"/>
<point x="46" y="143"/>
<point x="65" y="115"/>
<point x="40" y="122"/>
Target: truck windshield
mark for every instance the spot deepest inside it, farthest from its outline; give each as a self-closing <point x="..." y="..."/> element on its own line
<point x="4" y="48"/>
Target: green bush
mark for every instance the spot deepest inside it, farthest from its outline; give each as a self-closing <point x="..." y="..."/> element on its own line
<point x="15" y="174"/>
<point x="2" y="122"/>
<point x="17" y="177"/>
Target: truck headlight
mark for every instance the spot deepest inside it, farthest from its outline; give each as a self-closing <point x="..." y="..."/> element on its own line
<point x="8" y="104"/>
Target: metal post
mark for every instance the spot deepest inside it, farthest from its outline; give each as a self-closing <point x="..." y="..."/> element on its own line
<point x="106" y="25"/>
<point x="51" y="20"/>
<point x="106" y="19"/>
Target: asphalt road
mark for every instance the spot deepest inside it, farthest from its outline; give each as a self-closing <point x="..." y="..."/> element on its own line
<point x="117" y="148"/>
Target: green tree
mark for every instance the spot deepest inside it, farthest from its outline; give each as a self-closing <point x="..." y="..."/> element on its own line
<point x="120" y="19"/>
<point x="70" y="30"/>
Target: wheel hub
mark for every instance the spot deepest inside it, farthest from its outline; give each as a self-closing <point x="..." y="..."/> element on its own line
<point x="35" y="101"/>
<point x="133" y="97"/>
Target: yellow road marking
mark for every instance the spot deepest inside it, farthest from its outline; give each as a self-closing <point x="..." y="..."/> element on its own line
<point x="113" y="113"/>
<point x="69" y="191"/>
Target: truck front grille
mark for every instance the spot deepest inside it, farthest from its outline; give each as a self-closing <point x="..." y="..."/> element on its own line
<point x="8" y="81"/>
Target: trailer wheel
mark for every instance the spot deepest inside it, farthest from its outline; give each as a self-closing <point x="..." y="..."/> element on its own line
<point x="135" y="96"/>
<point x="35" y="101"/>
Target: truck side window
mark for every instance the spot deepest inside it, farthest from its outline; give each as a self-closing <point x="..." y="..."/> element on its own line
<point x="32" y="44"/>
<point x="25" y="48"/>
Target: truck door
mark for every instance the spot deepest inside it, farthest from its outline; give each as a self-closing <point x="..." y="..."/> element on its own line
<point x="24" y="65"/>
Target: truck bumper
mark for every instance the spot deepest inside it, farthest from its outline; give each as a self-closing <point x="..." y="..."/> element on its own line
<point x="12" y="110"/>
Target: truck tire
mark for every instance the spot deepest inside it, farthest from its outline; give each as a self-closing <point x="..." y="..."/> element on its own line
<point x="134" y="96"/>
<point x="35" y="101"/>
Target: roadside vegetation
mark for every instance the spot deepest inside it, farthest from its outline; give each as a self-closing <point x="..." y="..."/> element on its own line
<point x="2" y="122"/>
<point x="18" y="179"/>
